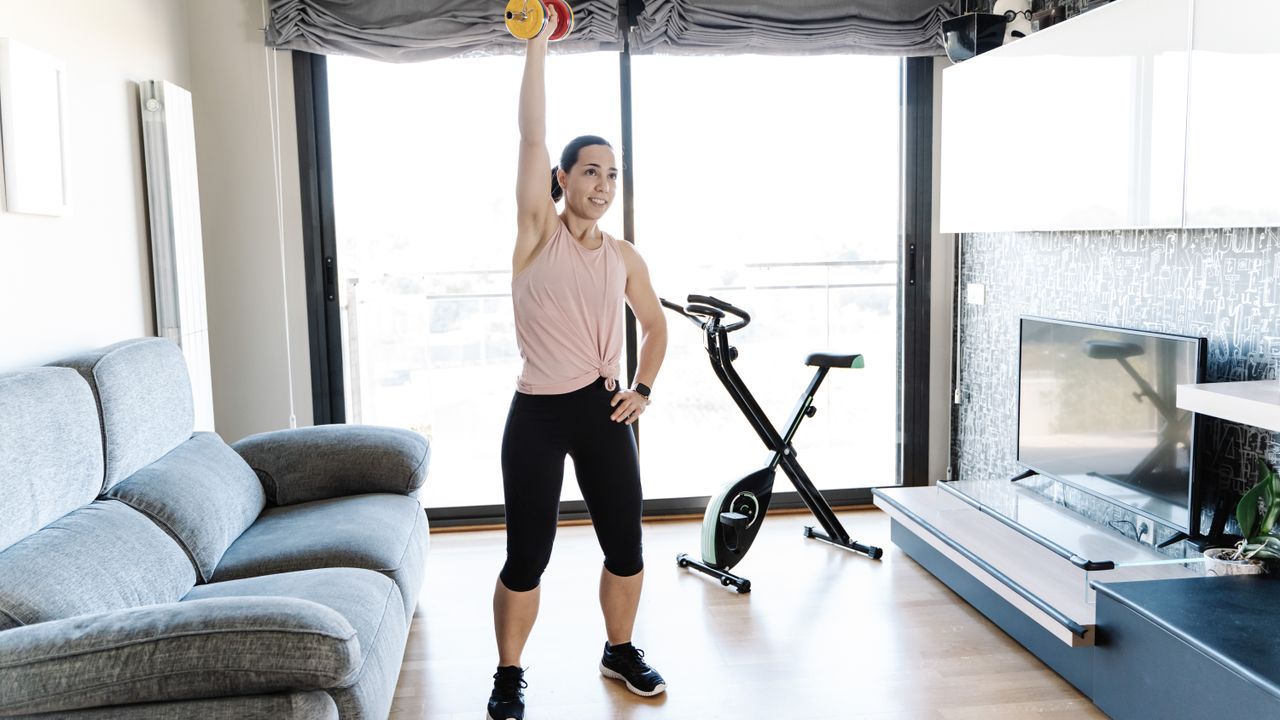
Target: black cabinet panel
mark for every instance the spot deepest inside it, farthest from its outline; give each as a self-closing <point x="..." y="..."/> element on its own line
<point x="1143" y="671"/>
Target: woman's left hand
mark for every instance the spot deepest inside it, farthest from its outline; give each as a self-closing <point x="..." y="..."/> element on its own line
<point x="627" y="406"/>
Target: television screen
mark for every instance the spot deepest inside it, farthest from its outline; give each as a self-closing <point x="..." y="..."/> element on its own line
<point x="1097" y="410"/>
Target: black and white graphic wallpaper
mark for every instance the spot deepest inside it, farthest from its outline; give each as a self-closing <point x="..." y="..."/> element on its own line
<point x="1220" y="284"/>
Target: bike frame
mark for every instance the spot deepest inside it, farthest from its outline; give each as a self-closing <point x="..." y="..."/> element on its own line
<point x="717" y="346"/>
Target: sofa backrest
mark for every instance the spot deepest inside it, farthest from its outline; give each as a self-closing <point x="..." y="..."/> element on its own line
<point x="144" y="400"/>
<point x="202" y="493"/>
<point x="61" y="553"/>
<point x="50" y="449"/>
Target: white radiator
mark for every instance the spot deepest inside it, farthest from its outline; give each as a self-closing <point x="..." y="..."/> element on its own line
<point x="177" y="247"/>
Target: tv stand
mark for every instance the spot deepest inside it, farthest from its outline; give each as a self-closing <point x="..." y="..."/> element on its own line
<point x="1023" y="475"/>
<point x="1023" y="561"/>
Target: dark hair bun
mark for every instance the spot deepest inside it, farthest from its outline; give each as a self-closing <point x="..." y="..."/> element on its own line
<point x="557" y="192"/>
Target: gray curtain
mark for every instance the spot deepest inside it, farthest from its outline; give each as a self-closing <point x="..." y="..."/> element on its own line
<point x="415" y="30"/>
<point x="793" y="27"/>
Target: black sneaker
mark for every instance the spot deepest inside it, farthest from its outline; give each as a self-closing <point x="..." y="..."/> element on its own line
<point x="626" y="663"/>
<point x="506" y="702"/>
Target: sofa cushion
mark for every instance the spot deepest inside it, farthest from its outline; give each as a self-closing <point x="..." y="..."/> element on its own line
<point x="202" y="493"/>
<point x="144" y="396"/>
<point x="368" y="600"/>
<point x="104" y="556"/>
<point x="50" y="449"/>
<point x="386" y="533"/>
<point x="208" y="648"/>
<point x="313" y="705"/>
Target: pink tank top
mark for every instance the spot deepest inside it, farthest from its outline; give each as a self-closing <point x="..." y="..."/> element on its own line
<point x="569" y="315"/>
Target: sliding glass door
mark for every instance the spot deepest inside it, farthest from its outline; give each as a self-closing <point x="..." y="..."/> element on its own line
<point x="424" y="159"/>
<point x="774" y="183"/>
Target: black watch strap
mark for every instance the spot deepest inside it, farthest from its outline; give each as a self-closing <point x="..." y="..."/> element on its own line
<point x="642" y="389"/>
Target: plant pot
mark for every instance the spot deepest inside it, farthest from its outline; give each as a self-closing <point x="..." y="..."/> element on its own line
<point x="1218" y="562"/>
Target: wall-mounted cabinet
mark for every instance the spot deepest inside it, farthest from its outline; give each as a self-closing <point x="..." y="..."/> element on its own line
<point x="1140" y="114"/>
<point x="1233" y="145"/>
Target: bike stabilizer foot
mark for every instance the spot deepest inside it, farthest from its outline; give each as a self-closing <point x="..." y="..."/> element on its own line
<point x="741" y="584"/>
<point x="870" y="551"/>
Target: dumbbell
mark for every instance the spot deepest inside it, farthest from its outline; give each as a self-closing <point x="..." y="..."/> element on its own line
<point x="525" y="18"/>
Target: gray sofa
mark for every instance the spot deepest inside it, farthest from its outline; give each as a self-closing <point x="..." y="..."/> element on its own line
<point x="147" y="571"/>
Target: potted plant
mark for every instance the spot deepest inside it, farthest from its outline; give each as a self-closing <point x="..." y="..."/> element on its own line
<point x="1256" y="514"/>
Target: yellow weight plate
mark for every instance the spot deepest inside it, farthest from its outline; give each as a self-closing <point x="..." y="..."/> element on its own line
<point x="525" y="18"/>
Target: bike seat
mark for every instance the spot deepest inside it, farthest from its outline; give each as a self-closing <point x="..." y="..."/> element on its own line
<point x="834" y="361"/>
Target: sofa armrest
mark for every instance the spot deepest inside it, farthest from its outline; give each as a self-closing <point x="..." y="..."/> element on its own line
<point x="178" y="651"/>
<point x="326" y="461"/>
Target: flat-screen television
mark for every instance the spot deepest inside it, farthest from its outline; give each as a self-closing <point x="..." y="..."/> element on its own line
<point x="1097" y="410"/>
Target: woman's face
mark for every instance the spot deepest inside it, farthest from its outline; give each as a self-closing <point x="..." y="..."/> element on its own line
<point x="590" y="185"/>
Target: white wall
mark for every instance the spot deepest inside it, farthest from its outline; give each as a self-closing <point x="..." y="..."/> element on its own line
<point x="82" y="280"/>
<point x="246" y="295"/>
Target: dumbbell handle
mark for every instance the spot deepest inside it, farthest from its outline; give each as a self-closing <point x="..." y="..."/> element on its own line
<point x="522" y="15"/>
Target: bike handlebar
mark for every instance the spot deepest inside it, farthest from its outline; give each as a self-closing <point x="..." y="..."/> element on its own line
<point x="714" y="309"/>
<point x="671" y="306"/>
<point x="744" y="318"/>
<point x="696" y="309"/>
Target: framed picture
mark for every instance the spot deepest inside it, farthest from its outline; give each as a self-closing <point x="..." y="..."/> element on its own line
<point x="33" y="115"/>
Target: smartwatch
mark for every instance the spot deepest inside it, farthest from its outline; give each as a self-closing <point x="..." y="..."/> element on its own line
<point x="642" y="389"/>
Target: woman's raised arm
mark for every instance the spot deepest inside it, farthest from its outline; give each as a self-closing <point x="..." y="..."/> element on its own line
<point x="535" y="210"/>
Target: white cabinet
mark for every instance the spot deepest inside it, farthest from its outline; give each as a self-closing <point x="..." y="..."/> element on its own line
<point x="1080" y="126"/>
<point x="1140" y="114"/>
<point x="1233" y="145"/>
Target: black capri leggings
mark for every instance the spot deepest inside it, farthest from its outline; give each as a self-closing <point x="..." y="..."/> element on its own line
<point x="541" y="430"/>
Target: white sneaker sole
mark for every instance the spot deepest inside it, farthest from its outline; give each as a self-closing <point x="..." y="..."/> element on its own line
<point x="642" y="693"/>
<point x="487" y="716"/>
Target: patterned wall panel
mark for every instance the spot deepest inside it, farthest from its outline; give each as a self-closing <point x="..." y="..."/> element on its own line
<point x="1223" y="285"/>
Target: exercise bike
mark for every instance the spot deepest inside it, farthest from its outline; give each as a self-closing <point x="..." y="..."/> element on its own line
<point x="734" y="515"/>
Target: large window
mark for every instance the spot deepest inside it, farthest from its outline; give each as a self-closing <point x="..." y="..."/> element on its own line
<point x="424" y="160"/>
<point x="773" y="183"/>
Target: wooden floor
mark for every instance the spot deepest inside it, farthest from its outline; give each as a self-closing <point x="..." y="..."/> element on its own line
<point x="824" y="635"/>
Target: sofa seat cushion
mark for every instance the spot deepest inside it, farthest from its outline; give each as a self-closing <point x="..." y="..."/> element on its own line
<point x="313" y="705"/>
<point x="368" y="600"/>
<point x="202" y="493"/>
<point x="208" y="648"/>
<point x="104" y="556"/>
<point x="386" y="533"/>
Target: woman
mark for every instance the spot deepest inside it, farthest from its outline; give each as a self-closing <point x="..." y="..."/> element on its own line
<point x="569" y="281"/>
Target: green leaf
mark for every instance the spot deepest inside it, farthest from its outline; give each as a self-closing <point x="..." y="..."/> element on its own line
<point x="1270" y="498"/>
<point x="1267" y="549"/>
<point x="1247" y="510"/>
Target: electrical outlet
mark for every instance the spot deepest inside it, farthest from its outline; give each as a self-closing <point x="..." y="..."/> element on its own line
<point x="1146" y="531"/>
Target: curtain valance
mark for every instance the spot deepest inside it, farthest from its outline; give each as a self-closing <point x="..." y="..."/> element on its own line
<point x="414" y="30"/>
<point x="793" y="27"/>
